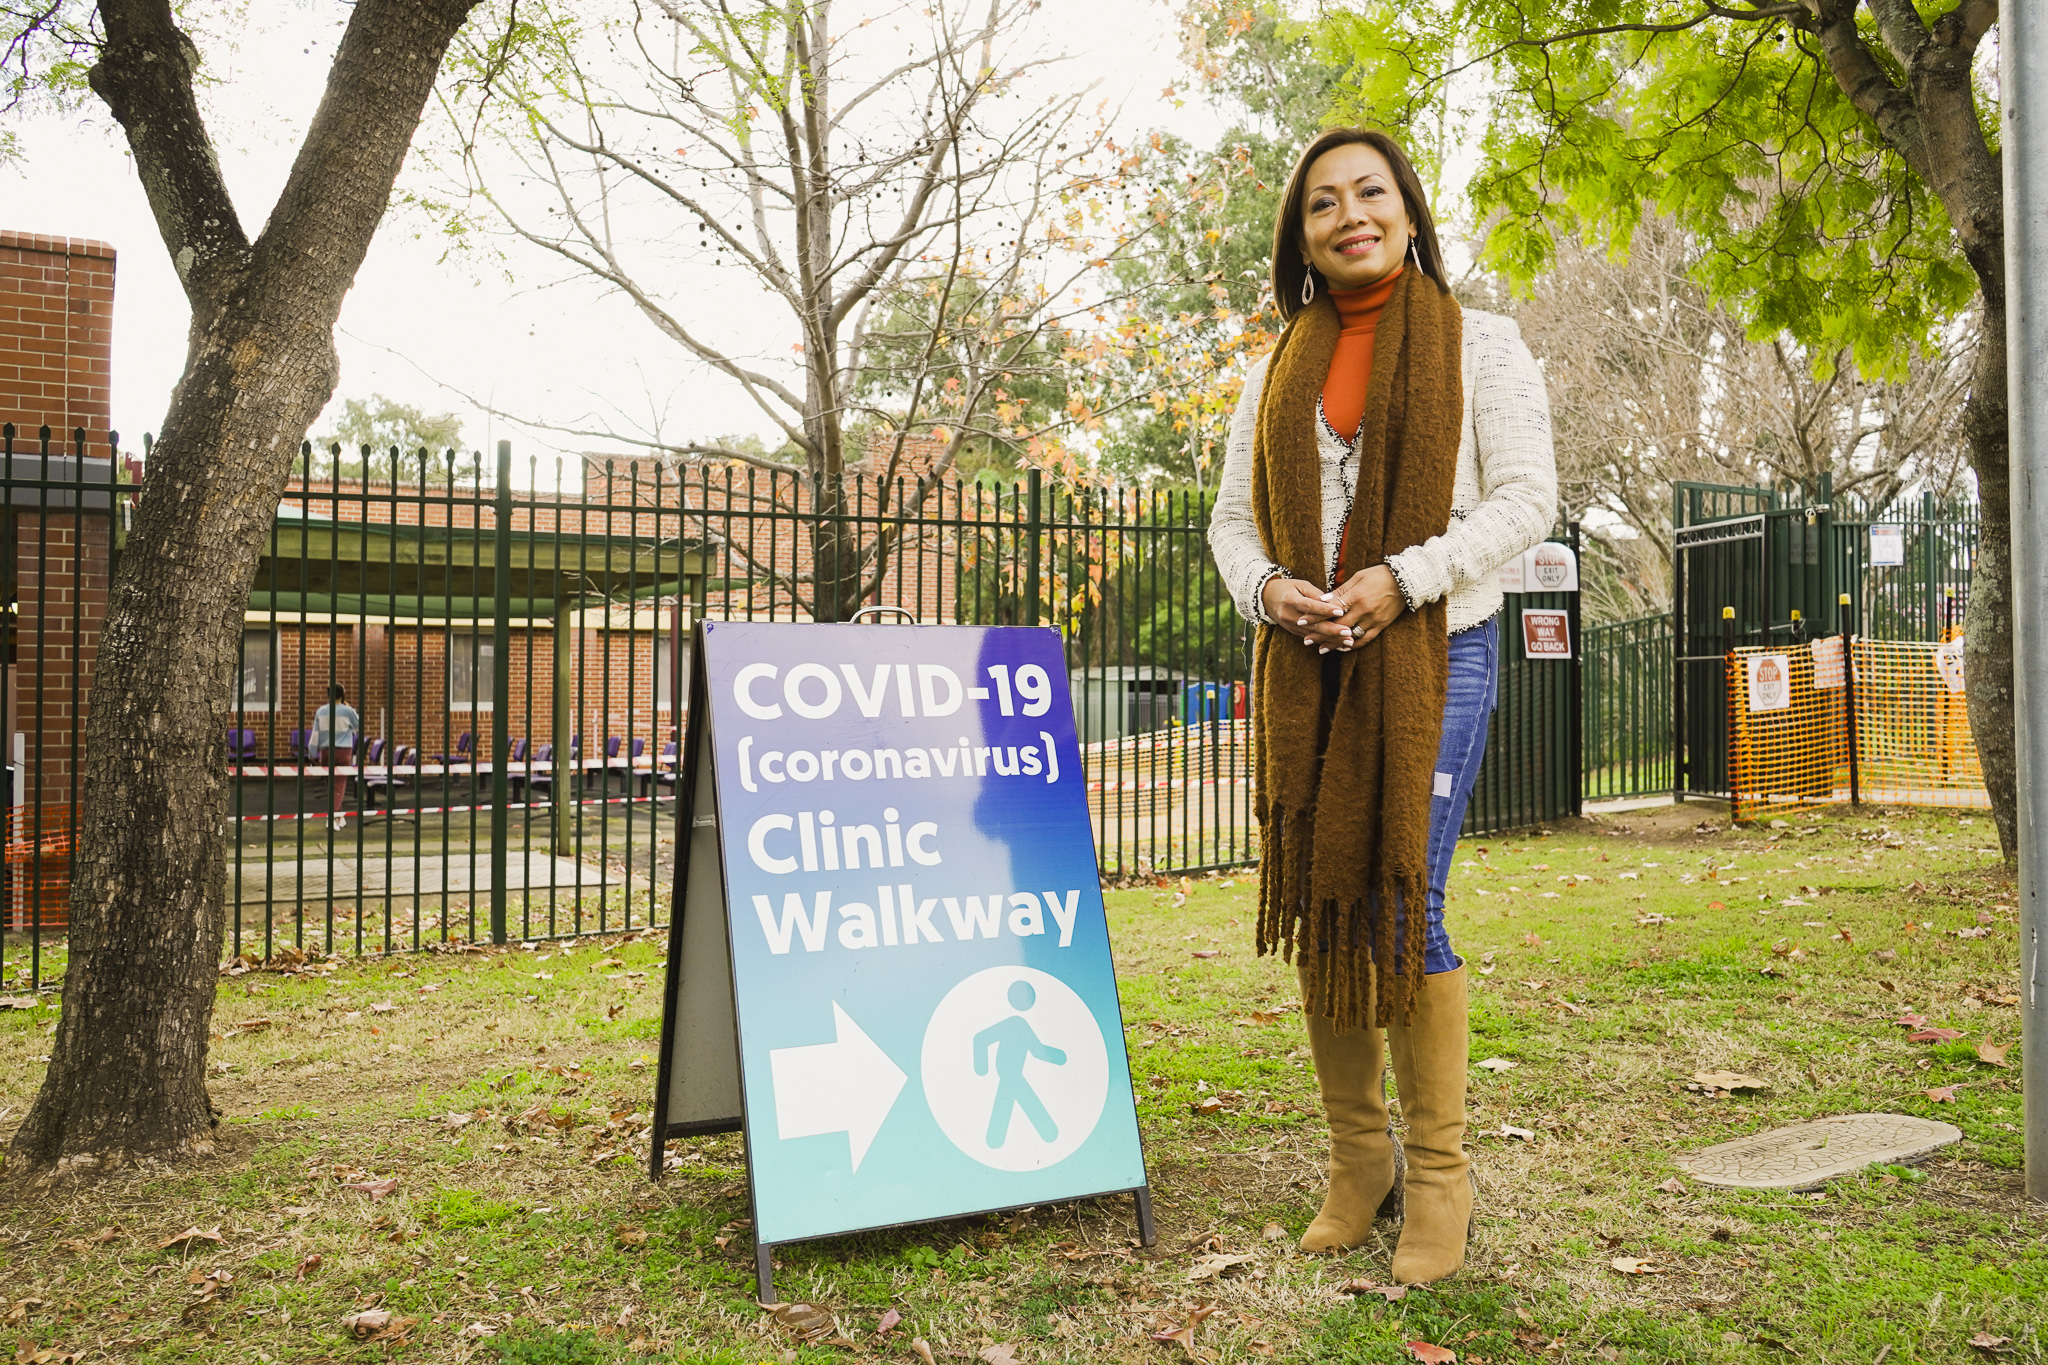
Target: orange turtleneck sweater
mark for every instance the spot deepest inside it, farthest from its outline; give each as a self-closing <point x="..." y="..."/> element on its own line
<point x="1351" y="366"/>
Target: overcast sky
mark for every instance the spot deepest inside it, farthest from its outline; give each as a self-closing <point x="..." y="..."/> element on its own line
<point x="533" y="343"/>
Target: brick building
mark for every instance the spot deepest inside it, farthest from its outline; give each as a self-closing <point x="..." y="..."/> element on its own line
<point x="56" y="364"/>
<point x="386" y="588"/>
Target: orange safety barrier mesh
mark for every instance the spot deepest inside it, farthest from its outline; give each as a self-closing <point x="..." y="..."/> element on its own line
<point x="35" y="877"/>
<point x="1913" y="741"/>
<point x="1787" y="727"/>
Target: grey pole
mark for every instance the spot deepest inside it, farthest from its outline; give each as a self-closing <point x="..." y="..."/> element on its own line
<point x="2023" y="98"/>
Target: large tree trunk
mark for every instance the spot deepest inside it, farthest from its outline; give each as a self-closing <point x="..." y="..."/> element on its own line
<point x="1987" y="653"/>
<point x="127" y="1074"/>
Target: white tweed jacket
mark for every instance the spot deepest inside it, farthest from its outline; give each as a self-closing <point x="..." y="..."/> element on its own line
<point x="1503" y="500"/>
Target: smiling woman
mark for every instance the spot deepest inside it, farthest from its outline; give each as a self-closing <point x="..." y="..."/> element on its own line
<point x="1392" y="453"/>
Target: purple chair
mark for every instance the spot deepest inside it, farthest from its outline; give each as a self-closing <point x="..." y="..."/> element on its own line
<point x="390" y="779"/>
<point x="537" y="778"/>
<point x="666" y="770"/>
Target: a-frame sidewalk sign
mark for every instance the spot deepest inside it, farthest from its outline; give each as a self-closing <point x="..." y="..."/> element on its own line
<point x="888" y="963"/>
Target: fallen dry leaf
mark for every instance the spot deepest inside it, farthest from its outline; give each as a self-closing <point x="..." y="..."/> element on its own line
<point x="889" y="1322"/>
<point x="1498" y="1064"/>
<point x="1509" y="1130"/>
<point x="1002" y="1353"/>
<point x="808" y="1322"/>
<point x="1183" y="1336"/>
<point x="376" y="1189"/>
<point x="188" y="1236"/>
<point x="307" y="1266"/>
<point x="27" y="1352"/>
<point x="1429" y="1353"/>
<point x="1673" y="1186"/>
<point x="1941" y="1094"/>
<point x="1634" y="1265"/>
<point x="1934" y="1035"/>
<point x="1729" y="1080"/>
<point x="628" y="1235"/>
<point x="1984" y="1341"/>
<point x="923" y="1351"/>
<point x="373" y="1324"/>
<point x="1993" y="1053"/>
<point x="1208" y="952"/>
<point x="1273" y="1232"/>
<point x="1212" y="1266"/>
<point x="1392" y="1293"/>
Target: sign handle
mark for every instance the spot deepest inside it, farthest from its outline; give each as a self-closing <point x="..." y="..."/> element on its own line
<point x="904" y="612"/>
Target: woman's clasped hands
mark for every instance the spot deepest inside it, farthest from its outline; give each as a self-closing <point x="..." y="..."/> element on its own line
<point x="1342" y="619"/>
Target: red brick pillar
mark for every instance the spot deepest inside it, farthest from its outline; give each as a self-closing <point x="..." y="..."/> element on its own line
<point x="56" y="362"/>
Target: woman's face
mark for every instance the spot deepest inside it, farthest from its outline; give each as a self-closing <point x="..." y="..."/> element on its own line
<point x="1354" y="224"/>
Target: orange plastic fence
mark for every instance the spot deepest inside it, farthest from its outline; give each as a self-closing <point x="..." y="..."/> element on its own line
<point x="1913" y="741"/>
<point x="1787" y="727"/>
<point x="35" y="879"/>
<point x="1788" y="732"/>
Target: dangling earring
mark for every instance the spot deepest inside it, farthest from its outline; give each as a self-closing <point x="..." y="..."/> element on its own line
<point x="1308" y="286"/>
<point x="1413" y="253"/>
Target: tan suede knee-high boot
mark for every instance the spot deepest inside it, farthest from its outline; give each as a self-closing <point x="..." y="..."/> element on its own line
<point x="1365" y="1161"/>
<point x="1430" y="1053"/>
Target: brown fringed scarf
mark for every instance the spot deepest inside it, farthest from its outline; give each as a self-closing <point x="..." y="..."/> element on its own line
<point x="1346" y="742"/>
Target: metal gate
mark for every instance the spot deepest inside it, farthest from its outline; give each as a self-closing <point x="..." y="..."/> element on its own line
<point x="1749" y="570"/>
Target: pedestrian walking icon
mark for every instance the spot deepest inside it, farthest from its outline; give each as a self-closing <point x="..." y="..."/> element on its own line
<point x="1012" y="1043"/>
<point x="1015" y="1069"/>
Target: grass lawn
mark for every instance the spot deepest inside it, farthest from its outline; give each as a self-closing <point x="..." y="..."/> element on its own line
<point x="507" y="1094"/>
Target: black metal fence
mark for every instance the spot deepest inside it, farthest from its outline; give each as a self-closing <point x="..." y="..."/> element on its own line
<point x="1627" y="708"/>
<point x="509" y="642"/>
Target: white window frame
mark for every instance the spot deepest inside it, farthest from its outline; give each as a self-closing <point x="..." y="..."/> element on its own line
<point x="663" y="691"/>
<point x="476" y="643"/>
<point x="243" y="704"/>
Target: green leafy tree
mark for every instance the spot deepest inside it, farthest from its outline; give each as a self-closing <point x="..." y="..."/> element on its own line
<point x="1836" y="160"/>
<point x="380" y="425"/>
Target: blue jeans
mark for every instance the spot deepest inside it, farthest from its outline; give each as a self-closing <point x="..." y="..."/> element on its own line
<point x="1468" y="708"/>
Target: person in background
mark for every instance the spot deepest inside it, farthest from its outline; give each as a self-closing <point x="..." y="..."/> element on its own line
<point x="335" y="727"/>
<point x="1392" y="453"/>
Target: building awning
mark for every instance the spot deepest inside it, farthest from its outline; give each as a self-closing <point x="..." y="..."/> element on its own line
<point x="451" y="572"/>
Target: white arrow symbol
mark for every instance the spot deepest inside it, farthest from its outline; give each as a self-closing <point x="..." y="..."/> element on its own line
<point x="847" y="1086"/>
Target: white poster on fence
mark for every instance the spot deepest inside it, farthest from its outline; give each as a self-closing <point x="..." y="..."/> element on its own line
<point x="1508" y="577"/>
<point x="1949" y="659"/>
<point x="1827" y="663"/>
<point x="1770" y="682"/>
<point x="1887" y="547"/>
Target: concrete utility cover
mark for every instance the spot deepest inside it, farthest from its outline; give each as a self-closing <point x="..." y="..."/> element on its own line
<point x="1809" y="1154"/>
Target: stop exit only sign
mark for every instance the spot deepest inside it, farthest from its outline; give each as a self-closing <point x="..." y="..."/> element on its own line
<point x="889" y="961"/>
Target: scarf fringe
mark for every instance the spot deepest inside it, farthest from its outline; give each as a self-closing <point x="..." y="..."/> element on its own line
<point x="1344" y="946"/>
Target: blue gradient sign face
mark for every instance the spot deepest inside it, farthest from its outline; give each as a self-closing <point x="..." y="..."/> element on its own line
<point x="927" y="1014"/>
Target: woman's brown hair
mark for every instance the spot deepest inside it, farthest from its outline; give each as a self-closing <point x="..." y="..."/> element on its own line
<point x="1291" y="268"/>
